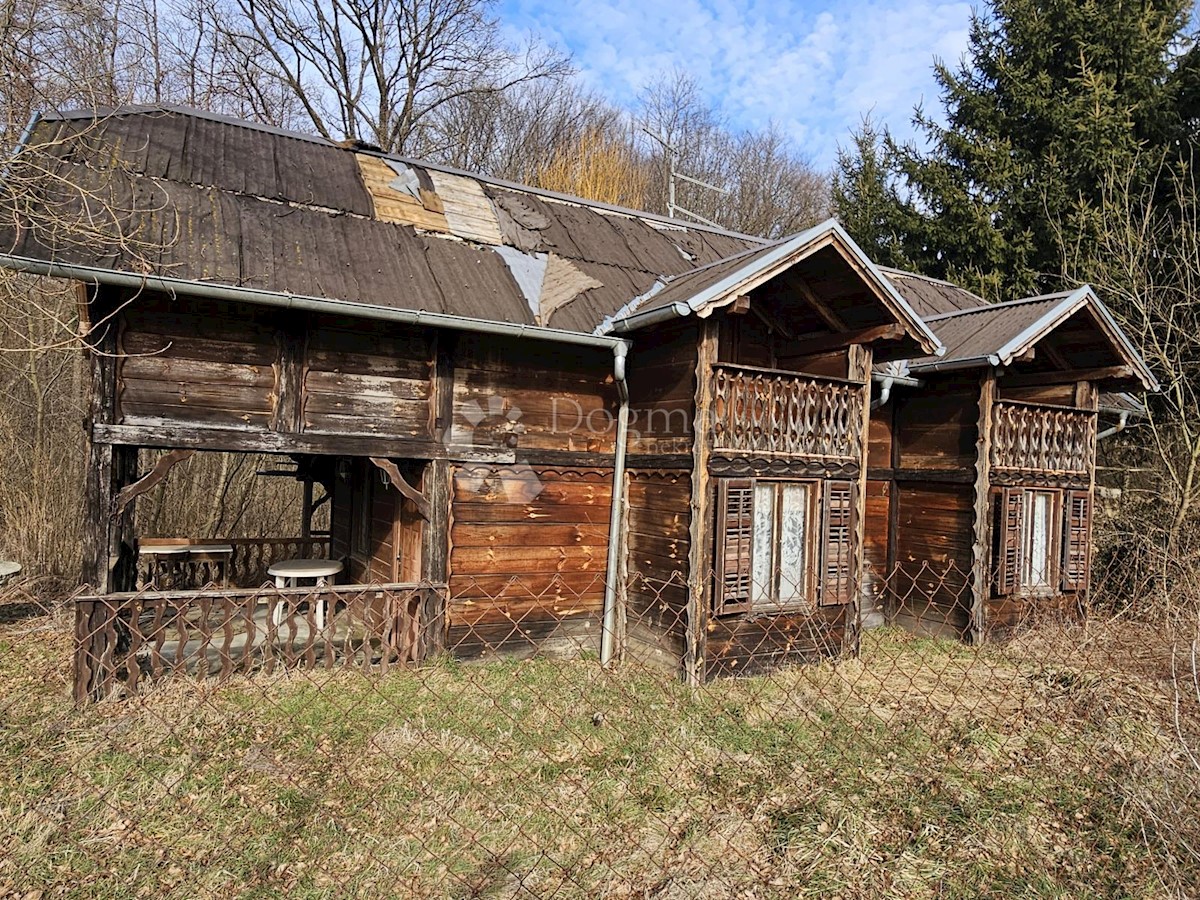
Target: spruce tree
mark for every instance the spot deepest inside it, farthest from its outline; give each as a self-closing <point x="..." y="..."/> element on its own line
<point x="1050" y="97"/>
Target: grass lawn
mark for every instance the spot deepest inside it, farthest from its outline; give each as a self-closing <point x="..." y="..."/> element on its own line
<point x="921" y="769"/>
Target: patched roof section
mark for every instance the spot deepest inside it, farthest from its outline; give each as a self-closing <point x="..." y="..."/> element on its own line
<point x="200" y="197"/>
<point x="931" y="296"/>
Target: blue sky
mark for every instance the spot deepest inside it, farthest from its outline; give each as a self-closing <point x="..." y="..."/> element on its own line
<point x="813" y="66"/>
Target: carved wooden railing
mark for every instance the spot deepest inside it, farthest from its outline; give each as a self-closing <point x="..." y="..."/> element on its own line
<point x="773" y="413"/>
<point x="1035" y="438"/>
<point x="125" y="640"/>
<point x="246" y="566"/>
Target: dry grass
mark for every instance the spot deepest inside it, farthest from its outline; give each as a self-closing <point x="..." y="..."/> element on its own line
<point x="922" y="769"/>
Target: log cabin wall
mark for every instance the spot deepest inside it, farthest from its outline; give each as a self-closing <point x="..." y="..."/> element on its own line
<point x="783" y="424"/>
<point x="877" y="558"/>
<point x="527" y="559"/>
<point x="930" y="519"/>
<point x="529" y="537"/>
<point x="662" y="399"/>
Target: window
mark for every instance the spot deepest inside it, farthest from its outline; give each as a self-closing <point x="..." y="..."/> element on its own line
<point x="768" y="553"/>
<point x="1042" y="541"/>
<point x="1040" y="522"/>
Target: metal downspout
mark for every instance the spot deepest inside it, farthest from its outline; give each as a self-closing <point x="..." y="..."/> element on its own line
<point x="1120" y="426"/>
<point x="885" y="393"/>
<point x="608" y="642"/>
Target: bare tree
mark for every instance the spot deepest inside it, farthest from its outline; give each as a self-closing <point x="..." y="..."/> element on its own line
<point x="1146" y="263"/>
<point x="379" y="70"/>
<point x="772" y="189"/>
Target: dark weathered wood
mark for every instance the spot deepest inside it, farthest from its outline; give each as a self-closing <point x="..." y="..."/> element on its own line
<point x="1105" y="373"/>
<point x="152" y="478"/>
<point x="289" y="375"/>
<point x="839" y="339"/>
<point x="400" y="483"/>
<point x="171" y="435"/>
<point x="819" y="306"/>
<point x="700" y="535"/>
<point x="981" y="526"/>
<point x="936" y="476"/>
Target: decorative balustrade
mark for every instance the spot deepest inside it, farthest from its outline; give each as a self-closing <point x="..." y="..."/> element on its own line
<point x="769" y="413"/>
<point x="125" y="640"/>
<point x="245" y="564"/>
<point x="1035" y="438"/>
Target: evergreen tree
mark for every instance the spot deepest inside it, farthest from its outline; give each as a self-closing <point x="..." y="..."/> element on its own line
<point x="1051" y="96"/>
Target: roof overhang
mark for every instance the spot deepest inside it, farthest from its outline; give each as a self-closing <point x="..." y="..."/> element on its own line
<point x="1024" y="341"/>
<point x="761" y="267"/>
<point x="415" y="317"/>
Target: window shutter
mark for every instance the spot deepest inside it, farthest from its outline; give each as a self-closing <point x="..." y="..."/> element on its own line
<point x="1077" y="541"/>
<point x="1010" y="521"/>
<point x="837" y="529"/>
<point x="735" y="536"/>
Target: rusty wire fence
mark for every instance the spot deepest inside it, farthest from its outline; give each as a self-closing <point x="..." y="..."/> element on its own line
<point x="434" y="741"/>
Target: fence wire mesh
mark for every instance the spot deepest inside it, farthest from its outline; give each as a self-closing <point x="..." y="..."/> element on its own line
<point x="360" y="741"/>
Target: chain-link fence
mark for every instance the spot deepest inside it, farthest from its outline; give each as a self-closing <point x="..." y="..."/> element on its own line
<point x="388" y="740"/>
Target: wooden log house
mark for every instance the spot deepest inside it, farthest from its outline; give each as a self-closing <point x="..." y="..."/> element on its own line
<point x="982" y="462"/>
<point x="540" y="424"/>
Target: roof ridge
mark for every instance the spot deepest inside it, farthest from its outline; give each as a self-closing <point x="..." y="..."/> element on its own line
<point x="671" y="279"/>
<point x="905" y="273"/>
<point x="137" y="109"/>
<point x="1003" y="304"/>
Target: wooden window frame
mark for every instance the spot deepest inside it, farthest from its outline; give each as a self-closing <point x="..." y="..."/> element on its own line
<point x="814" y="534"/>
<point x="1059" y="579"/>
<point x="1054" y="543"/>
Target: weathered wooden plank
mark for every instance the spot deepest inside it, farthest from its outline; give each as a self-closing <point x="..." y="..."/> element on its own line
<point x="183" y="396"/>
<point x="189" y="346"/>
<point x="510" y="535"/>
<point x="409" y="419"/>
<point x="366" y="387"/>
<point x="700" y="537"/>
<point x="981" y="542"/>
<point x="196" y="371"/>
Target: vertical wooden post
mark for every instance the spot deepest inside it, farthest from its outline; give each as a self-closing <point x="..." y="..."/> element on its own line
<point x="861" y="359"/>
<point x="1088" y="397"/>
<point x="436" y="485"/>
<point x="306" y="506"/>
<point x="288" y="415"/>
<point x="98" y="477"/>
<point x="107" y="541"/>
<point x="700" y="549"/>
<point x="981" y="545"/>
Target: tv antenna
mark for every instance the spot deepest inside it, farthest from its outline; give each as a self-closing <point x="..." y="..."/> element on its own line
<point x="673" y="175"/>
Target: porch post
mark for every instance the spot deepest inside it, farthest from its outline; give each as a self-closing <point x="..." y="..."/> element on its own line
<point x="107" y="540"/>
<point x="700" y="550"/>
<point x="982" y="528"/>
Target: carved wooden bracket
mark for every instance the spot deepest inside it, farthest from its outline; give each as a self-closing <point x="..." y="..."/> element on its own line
<point x="151" y="479"/>
<point x="402" y="485"/>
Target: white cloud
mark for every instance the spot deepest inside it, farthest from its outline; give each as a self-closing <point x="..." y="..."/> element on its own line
<point x="815" y="67"/>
